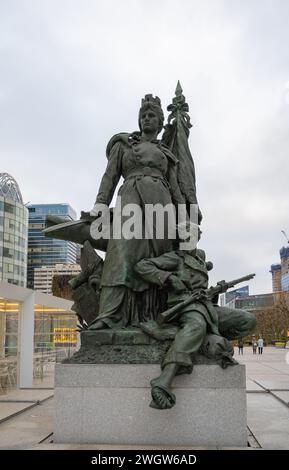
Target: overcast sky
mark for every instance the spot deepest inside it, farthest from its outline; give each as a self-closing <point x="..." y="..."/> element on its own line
<point x="73" y="72"/>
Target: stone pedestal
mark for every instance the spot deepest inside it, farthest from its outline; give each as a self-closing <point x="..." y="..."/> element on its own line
<point x="109" y="404"/>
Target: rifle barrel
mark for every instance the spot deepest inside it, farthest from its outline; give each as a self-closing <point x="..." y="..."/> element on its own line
<point x="171" y="312"/>
<point x="241" y="279"/>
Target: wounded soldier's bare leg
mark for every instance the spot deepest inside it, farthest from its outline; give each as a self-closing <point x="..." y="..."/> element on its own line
<point x="188" y="340"/>
<point x="162" y="397"/>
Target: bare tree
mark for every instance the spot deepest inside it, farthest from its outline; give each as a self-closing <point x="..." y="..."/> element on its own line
<point x="273" y="323"/>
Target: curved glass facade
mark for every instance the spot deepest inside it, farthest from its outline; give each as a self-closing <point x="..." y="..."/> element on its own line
<point x="13" y="241"/>
<point x="9" y="188"/>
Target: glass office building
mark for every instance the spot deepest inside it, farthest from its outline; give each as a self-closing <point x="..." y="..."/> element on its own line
<point x="255" y="302"/>
<point x="285" y="282"/>
<point x="44" y="251"/>
<point x="13" y="232"/>
<point x="284" y="255"/>
<point x="276" y="277"/>
<point x="236" y="294"/>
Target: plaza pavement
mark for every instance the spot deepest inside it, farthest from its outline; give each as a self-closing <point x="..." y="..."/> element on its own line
<point x="268" y="396"/>
<point x="26" y="415"/>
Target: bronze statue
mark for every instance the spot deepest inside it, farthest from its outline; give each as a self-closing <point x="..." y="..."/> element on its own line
<point x="116" y="301"/>
<point x="199" y="323"/>
<point x="154" y="172"/>
<point x="149" y="170"/>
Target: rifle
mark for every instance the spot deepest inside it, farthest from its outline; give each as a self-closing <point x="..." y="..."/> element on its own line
<point x="201" y="295"/>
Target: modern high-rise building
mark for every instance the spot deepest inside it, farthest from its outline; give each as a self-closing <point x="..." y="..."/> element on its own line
<point x="232" y="295"/>
<point x="237" y="293"/>
<point x="276" y="277"/>
<point x="43" y="276"/>
<point x="280" y="272"/>
<point x="44" y="251"/>
<point x="284" y="255"/>
<point x="13" y="232"/>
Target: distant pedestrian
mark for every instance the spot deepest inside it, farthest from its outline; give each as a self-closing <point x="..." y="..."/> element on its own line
<point x="254" y="345"/>
<point x="260" y="345"/>
<point x="240" y="346"/>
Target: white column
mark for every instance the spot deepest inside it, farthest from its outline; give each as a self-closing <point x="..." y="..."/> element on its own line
<point x="2" y="333"/>
<point x="26" y="342"/>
